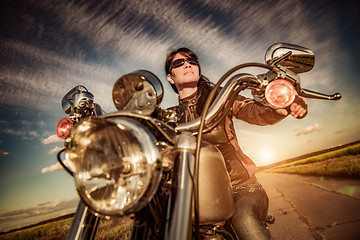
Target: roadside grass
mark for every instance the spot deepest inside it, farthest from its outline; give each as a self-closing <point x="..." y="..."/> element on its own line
<point x="118" y="228"/>
<point x="54" y="230"/>
<point x="343" y="162"/>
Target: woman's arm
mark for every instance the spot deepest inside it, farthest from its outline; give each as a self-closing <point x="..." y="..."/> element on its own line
<point x="252" y="112"/>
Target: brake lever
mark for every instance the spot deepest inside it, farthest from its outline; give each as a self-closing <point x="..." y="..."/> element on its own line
<point x="312" y="94"/>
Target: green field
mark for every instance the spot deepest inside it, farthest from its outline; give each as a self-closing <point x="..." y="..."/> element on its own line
<point x="52" y="230"/>
<point x="343" y="161"/>
<point x="55" y="230"/>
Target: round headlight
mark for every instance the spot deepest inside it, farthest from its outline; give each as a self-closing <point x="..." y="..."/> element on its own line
<point x="280" y="93"/>
<point x="117" y="165"/>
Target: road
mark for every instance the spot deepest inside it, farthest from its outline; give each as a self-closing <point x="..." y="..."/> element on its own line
<point x="308" y="207"/>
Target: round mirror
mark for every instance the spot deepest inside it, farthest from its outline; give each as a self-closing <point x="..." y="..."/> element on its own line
<point x="140" y="92"/>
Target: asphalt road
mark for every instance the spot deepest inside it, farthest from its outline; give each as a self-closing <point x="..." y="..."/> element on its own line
<point x="312" y="207"/>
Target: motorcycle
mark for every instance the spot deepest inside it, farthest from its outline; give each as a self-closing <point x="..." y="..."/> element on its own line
<point x="140" y="162"/>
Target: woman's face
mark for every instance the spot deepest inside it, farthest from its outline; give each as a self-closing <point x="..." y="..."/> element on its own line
<point x="185" y="76"/>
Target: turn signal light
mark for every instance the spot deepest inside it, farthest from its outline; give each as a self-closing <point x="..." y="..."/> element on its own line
<point x="63" y="127"/>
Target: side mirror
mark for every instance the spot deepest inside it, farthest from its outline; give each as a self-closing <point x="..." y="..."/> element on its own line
<point x="73" y="98"/>
<point x="140" y="92"/>
<point x="295" y="58"/>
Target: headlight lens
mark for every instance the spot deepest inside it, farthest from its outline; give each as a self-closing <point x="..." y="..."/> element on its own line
<point x="280" y="93"/>
<point x="117" y="165"/>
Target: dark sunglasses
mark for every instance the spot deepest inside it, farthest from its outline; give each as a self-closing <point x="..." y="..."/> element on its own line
<point x="179" y="62"/>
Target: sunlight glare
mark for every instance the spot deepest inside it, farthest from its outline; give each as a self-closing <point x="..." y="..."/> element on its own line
<point x="266" y="157"/>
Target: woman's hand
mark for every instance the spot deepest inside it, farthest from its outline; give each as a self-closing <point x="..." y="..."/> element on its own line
<point x="298" y="109"/>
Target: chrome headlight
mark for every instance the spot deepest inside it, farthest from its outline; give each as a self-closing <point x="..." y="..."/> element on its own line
<point x="117" y="165"/>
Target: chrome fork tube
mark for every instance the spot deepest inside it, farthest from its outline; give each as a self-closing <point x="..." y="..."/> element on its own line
<point x="84" y="224"/>
<point x="180" y="219"/>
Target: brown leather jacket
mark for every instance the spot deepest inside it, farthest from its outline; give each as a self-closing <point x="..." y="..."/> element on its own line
<point x="240" y="167"/>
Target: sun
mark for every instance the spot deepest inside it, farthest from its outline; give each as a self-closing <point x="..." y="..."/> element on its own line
<point x="266" y="156"/>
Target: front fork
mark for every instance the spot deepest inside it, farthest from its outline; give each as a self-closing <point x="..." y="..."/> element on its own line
<point x="83" y="225"/>
<point x="180" y="225"/>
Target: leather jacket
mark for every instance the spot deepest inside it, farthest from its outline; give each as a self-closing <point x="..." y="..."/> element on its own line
<point x="240" y="167"/>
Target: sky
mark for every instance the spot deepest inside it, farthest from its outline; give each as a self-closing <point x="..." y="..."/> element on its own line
<point x="48" y="47"/>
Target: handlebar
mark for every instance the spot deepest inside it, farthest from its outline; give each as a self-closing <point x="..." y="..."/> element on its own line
<point x="231" y="89"/>
<point x="229" y="92"/>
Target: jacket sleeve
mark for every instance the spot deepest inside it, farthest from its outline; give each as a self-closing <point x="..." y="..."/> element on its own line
<point x="253" y="112"/>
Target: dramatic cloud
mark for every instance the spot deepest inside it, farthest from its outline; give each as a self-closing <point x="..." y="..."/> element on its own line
<point x="3" y="153"/>
<point x="54" y="150"/>
<point x="52" y="168"/>
<point x="126" y="36"/>
<point x="22" y="134"/>
<point x="18" y="133"/>
<point x="33" y="133"/>
<point x="309" y="129"/>
<point x="38" y="87"/>
<point x="22" y="129"/>
<point x="52" y="139"/>
<point x="57" y="167"/>
<point x="10" y="219"/>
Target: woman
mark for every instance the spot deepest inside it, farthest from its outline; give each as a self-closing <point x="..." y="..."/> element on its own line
<point x="183" y="72"/>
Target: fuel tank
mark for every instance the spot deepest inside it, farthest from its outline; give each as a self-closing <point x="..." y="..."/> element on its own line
<point x="216" y="203"/>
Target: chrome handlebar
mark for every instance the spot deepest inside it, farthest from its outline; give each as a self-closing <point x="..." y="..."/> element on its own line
<point x="231" y="87"/>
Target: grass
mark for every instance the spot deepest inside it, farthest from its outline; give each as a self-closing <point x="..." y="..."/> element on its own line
<point x="118" y="228"/>
<point x="53" y="230"/>
<point x="344" y="162"/>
